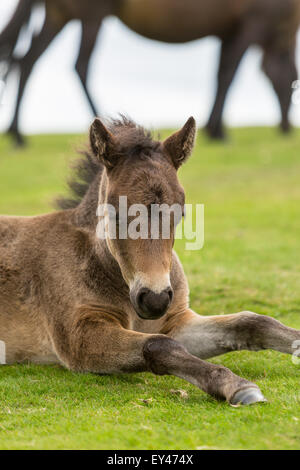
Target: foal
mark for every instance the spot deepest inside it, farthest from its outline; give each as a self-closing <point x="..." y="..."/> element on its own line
<point x="116" y="305"/>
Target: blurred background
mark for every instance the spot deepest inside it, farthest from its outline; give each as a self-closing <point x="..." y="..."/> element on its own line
<point x="157" y="84"/>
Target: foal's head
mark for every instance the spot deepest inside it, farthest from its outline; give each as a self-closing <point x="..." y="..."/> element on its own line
<point x="145" y="172"/>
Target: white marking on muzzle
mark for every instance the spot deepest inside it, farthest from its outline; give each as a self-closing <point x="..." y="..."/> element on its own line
<point x="2" y="353"/>
<point x="156" y="285"/>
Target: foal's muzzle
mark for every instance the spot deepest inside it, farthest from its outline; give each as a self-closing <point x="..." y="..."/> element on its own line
<point x="150" y="305"/>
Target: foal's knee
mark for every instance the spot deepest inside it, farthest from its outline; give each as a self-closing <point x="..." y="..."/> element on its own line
<point x="253" y="321"/>
<point x="253" y="329"/>
<point x="161" y="352"/>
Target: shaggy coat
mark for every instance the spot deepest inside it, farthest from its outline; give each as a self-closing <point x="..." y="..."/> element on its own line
<point x="119" y="305"/>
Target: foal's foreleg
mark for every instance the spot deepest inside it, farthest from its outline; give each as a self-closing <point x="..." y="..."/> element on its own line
<point x="214" y="335"/>
<point x="99" y="344"/>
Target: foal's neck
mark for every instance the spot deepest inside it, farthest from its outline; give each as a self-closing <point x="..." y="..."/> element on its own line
<point x="86" y="212"/>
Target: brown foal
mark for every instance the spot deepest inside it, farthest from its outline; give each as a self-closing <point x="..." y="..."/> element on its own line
<point x="112" y="305"/>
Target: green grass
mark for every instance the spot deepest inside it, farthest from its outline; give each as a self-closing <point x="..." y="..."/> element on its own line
<point x="251" y="258"/>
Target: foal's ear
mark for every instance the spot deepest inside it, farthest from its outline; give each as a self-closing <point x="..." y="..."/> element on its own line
<point x="180" y="145"/>
<point x="102" y="143"/>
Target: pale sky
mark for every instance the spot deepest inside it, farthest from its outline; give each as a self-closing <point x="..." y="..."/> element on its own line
<point x="158" y="85"/>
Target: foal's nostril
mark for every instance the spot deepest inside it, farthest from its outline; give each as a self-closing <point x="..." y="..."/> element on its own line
<point x="169" y="291"/>
<point x="141" y="295"/>
<point x="153" y="305"/>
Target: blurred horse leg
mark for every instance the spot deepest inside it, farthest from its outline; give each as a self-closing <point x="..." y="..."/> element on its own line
<point x="88" y="40"/>
<point x="10" y="34"/>
<point x="26" y="63"/>
<point x="232" y="51"/>
<point x="280" y="67"/>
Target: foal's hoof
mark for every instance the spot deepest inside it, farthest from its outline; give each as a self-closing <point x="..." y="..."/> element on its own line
<point x="247" y="396"/>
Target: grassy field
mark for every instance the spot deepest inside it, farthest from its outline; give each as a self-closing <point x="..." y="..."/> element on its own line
<point x="251" y="259"/>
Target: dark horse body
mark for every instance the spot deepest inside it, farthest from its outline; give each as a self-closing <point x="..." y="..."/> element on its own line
<point x="115" y="305"/>
<point x="272" y="24"/>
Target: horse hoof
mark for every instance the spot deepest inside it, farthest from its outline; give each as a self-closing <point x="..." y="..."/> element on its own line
<point x="18" y="139"/>
<point x="215" y="133"/>
<point x="247" y="396"/>
<point x="285" y="127"/>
